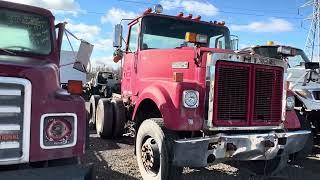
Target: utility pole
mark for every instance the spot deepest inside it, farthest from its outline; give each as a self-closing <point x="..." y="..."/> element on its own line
<point x="312" y="46"/>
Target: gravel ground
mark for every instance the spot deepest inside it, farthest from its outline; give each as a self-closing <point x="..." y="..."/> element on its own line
<point x="114" y="159"/>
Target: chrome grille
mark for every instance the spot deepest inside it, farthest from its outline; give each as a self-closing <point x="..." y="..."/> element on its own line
<point x="15" y="94"/>
<point x="247" y="94"/>
<point x="232" y="87"/>
<point x="268" y="94"/>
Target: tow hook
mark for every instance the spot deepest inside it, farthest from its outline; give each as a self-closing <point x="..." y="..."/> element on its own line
<point x="231" y="147"/>
<point x="268" y="144"/>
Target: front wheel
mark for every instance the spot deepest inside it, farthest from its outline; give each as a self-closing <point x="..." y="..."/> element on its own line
<point x="153" y="152"/>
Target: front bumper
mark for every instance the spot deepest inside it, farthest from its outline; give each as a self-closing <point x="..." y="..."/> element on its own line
<point x="199" y="152"/>
<point x="74" y="172"/>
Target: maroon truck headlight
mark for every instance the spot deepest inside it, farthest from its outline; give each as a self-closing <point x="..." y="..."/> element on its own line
<point x="58" y="130"/>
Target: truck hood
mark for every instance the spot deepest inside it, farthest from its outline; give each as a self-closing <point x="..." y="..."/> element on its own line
<point x="296" y="75"/>
<point x="33" y="69"/>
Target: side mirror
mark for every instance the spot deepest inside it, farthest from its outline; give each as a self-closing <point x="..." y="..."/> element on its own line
<point x="234" y="42"/>
<point x="83" y="57"/>
<point x="117" y="36"/>
<point x="312" y="65"/>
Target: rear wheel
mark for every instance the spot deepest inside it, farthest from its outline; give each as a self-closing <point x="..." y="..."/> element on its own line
<point x="153" y="152"/>
<point x="104" y="118"/>
<point x="92" y="111"/>
<point x="119" y="117"/>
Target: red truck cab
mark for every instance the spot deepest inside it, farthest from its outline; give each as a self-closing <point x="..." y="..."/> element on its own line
<point x="40" y="122"/>
<point x="193" y="101"/>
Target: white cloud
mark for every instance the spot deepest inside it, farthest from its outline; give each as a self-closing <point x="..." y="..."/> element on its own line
<point x="170" y="4"/>
<point x="104" y="61"/>
<point x="114" y="16"/>
<point x="272" y="25"/>
<point x="241" y="45"/>
<point x="191" y="6"/>
<point x="58" y="6"/>
<point x="84" y="31"/>
<point x="104" y="44"/>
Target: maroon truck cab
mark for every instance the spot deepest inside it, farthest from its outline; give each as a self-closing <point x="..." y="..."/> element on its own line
<point x="39" y="120"/>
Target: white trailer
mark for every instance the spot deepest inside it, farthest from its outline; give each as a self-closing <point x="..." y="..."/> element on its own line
<point x="67" y="72"/>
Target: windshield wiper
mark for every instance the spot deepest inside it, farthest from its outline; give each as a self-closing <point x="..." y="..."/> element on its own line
<point x="7" y="51"/>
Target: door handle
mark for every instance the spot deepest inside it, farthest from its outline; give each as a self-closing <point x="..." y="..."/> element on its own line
<point x="135" y="63"/>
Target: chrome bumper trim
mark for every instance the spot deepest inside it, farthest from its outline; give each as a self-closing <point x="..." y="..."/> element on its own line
<point x="194" y="152"/>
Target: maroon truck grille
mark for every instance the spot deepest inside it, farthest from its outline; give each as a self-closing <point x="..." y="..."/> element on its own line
<point x="247" y="94"/>
<point x="233" y="90"/>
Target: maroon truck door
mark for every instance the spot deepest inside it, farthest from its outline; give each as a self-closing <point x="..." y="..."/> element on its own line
<point x="128" y="86"/>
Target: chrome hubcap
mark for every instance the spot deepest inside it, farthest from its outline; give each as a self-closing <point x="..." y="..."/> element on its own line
<point x="150" y="156"/>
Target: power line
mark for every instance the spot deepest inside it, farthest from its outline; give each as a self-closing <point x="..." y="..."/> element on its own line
<point x="312" y="46"/>
<point x="222" y="11"/>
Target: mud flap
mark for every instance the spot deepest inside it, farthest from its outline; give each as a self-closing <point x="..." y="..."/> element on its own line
<point x="282" y="164"/>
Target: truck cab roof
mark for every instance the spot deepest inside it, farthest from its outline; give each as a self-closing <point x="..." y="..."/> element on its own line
<point x="213" y="23"/>
<point x="26" y="8"/>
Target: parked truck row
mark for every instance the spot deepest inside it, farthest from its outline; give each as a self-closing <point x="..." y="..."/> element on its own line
<point x="187" y="98"/>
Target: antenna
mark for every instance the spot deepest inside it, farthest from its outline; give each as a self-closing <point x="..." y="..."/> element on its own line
<point x="312" y="46"/>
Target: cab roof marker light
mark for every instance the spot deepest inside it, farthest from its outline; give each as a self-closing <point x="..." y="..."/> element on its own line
<point x="197" y="18"/>
<point x="189" y="16"/>
<point x="147" y="11"/>
<point x="222" y="23"/>
<point x="180" y="14"/>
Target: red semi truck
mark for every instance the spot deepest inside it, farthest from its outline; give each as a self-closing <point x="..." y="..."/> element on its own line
<point x="41" y="124"/>
<point x="192" y="101"/>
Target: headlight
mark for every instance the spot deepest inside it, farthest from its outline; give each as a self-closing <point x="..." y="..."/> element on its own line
<point x="304" y="93"/>
<point x="58" y="130"/>
<point x="290" y="103"/>
<point x="190" y="98"/>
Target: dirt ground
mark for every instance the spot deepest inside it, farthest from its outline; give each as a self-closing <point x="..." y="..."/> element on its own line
<point x="114" y="159"/>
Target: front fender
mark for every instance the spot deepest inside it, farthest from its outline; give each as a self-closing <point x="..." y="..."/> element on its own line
<point x="168" y="98"/>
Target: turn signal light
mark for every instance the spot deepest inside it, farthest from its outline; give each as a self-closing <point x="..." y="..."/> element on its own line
<point x="196" y="38"/>
<point x="75" y="87"/>
<point x="178" y="76"/>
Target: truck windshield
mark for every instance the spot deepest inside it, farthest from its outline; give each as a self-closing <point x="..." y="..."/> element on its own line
<point x="24" y="32"/>
<point x="164" y="32"/>
<point x="272" y="52"/>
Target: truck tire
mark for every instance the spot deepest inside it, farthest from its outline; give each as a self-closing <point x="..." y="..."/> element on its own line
<point x="299" y="157"/>
<point x="119" y="116"/>
<point x="92" y="111"/>
<point x="153" y="152"/>
<point x="104" y="118"/>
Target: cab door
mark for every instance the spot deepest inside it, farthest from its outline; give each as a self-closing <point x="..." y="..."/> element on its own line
<point x="129" y="76"/>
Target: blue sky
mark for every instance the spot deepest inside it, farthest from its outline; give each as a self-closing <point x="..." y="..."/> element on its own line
<point x="255" y="22"/>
